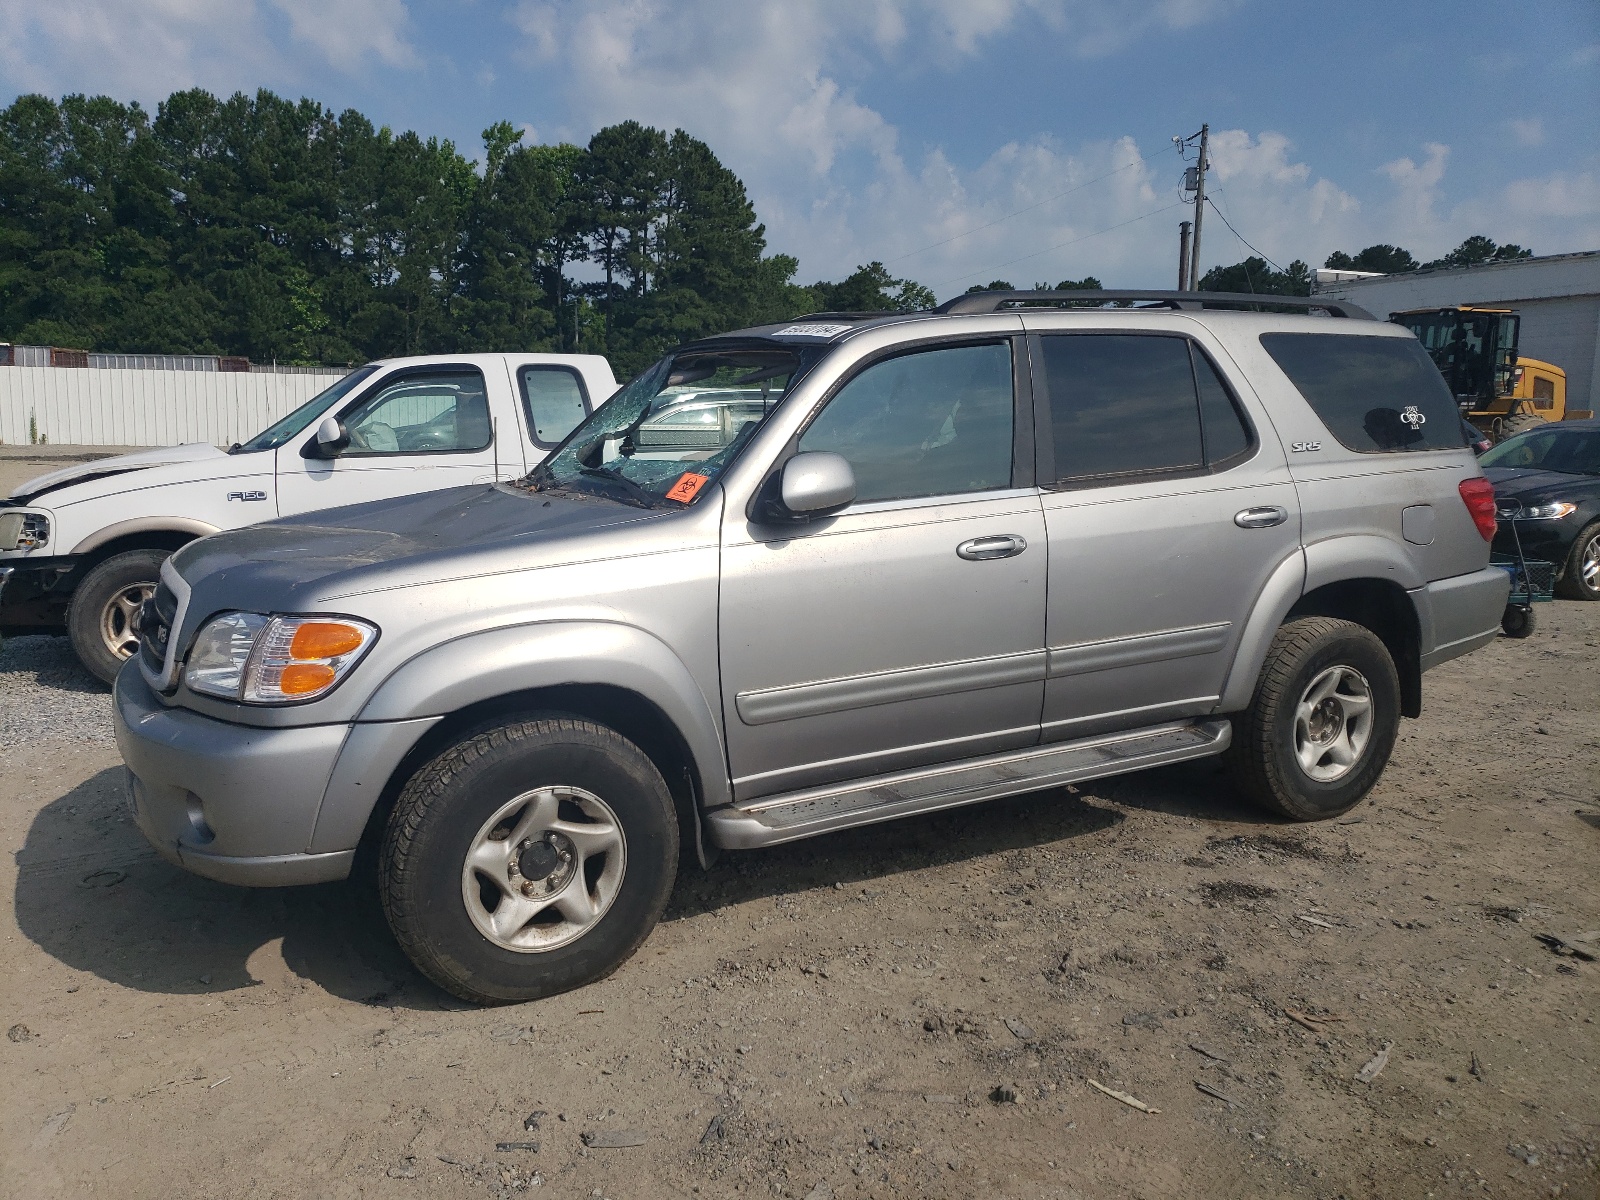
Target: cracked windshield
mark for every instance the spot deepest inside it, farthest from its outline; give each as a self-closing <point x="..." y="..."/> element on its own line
<point x="668" y="434"/>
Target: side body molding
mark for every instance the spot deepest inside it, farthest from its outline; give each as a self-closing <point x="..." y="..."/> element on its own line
<point x="1284" y="586"/>
<point x="499" y="662"/>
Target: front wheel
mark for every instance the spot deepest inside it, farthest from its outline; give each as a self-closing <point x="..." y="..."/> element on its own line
<point x="529" y="859"/>
<point x="102" y="618"/>
<point x="1581" y="579"/>
<point x="1322" y="723"/>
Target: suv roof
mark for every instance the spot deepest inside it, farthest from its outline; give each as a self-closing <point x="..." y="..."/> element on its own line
<point x="825" y="327"/>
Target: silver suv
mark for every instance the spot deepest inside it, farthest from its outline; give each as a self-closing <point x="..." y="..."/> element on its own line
<point x="805" y="577"/>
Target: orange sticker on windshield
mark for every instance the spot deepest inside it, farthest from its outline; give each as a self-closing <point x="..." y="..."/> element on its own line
<point x="687" y="487"/>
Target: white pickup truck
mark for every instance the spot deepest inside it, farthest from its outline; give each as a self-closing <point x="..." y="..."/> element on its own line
<point x="81" y="548"/>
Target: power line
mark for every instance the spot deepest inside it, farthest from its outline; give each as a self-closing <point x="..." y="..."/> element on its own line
<point x="1239" y="235"/>
<point x="1063" y="245"/>
<point x="1038" y="204"/>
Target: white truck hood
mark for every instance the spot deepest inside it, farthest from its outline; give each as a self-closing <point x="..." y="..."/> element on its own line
<point x="121" y="464"/>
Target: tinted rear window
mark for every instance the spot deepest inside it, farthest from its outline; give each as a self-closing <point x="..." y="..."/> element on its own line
<point x="1377" y="395"/>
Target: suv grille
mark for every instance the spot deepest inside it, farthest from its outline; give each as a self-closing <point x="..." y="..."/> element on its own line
<point x="155" y="627"/>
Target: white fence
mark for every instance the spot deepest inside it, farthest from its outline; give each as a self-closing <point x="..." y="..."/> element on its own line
<point x="106" y="407"/>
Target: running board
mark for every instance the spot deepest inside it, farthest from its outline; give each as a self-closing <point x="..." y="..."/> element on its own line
<point x="791" y="816"/>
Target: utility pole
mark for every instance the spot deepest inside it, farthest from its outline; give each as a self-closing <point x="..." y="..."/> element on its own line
<point x="1199" y="206"/>
<point x="1183" y="256"/>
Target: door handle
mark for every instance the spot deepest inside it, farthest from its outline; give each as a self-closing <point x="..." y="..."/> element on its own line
<point x="982" y="549"/>
<point x="1261" y="518"/>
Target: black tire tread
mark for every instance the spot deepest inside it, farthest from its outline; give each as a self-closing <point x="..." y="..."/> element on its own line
<point x="1253" y="767"/>
<point x="428" y="786"/>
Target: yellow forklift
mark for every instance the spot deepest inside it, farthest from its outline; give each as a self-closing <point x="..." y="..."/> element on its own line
<point x="1475" y="348"/>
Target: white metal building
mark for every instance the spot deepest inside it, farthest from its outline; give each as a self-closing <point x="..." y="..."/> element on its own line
<point x="144" y="400"/>
<point x="1558" y="297"/>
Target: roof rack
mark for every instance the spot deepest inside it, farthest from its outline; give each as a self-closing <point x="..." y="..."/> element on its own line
<point x="850" y="316"/>
<point x="988" y="302"/>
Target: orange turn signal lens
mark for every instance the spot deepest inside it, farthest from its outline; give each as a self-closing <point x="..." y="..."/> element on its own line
<point x="298" y="679"/>
<point x="324" y="639"/>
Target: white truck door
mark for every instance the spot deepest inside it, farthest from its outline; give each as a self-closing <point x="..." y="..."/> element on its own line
<point x="417" y="429"/>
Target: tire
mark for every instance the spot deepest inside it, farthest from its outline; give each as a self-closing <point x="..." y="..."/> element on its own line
<point x="1269" y="738"/>
<point x="1580" y="578"/>
<point x="98" y="619"/>
<point x="554" y="776"/>
<point x="1518" y="621"/>
<point x="1518" y="422"/>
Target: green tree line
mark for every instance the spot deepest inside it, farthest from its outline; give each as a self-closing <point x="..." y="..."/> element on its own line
<point x="279" y="230"/>
<point x="1259" y="276"/>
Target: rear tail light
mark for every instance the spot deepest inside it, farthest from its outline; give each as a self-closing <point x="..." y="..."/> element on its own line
<point x="1478" y="496"/>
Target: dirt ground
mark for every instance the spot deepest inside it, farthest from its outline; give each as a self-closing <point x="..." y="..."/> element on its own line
<point x="852" y="1016"/>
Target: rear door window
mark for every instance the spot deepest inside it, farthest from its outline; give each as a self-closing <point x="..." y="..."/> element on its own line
<point x="1120" y="405"/>
<point x="1377" y="395"/>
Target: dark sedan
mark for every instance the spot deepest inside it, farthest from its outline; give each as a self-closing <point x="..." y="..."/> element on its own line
<point x="1547" y="489"/>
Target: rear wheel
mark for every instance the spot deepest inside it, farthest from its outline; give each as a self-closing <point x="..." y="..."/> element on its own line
<point x="1322" y="723"/>
<point x="1581" y="578"/>
<point x="101" y="620"/>
<point x="529" y="859"/>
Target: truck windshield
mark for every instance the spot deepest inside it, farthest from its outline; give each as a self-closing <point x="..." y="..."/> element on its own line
<point x="662" y="439"/>
<point x="284" y="428"/>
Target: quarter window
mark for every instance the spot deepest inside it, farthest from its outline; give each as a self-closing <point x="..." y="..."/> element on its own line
<point x="553" y="401"/>
<point x="1375" y="394"/>
<point x="929" y="423"/>
<point x="427" y="413"/>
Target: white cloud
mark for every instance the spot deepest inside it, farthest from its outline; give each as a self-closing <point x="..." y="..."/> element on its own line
<point x="152" y="48"/>
<point x="346" y="31"/>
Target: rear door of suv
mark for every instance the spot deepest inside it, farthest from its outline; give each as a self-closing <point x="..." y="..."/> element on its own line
<point x="1168" y="504"/>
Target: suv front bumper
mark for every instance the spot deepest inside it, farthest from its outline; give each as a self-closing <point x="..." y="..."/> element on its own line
<point x="235" y="803"/>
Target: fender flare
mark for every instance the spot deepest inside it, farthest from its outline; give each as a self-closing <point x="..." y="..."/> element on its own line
<point x="500" y="662"/>
<point x="1278" y="595"/>
<point x="121" y="529"/>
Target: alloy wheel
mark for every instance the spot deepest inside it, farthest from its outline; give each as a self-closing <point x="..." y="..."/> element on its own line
<point x="119" y="627"/>
<point x="1333" y="723"/>
<point x="544" y="869"/>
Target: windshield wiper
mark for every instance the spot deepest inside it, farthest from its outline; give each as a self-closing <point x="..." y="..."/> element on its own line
<point x="640" y="497"/>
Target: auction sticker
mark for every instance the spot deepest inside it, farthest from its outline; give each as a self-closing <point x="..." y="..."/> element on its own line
<point x="687" y="487"/>
<point x="823" y="331"/>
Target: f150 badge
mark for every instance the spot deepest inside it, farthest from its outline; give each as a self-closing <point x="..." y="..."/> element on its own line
<point x="247" y="495"/>
<point x="1304" y="447"/>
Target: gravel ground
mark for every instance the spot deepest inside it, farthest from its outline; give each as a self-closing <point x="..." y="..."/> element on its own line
<point x="47" y="696"/>
<point x="944" y="1007"/>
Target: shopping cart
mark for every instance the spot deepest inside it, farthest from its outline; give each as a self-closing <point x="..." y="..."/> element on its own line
<point x="1532" y="580"/>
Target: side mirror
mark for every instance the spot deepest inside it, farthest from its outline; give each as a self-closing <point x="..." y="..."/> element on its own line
<point x="815" y="484"/>
<point x="331" y="438"/>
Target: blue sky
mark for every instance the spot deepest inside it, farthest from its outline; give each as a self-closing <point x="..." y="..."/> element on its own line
<point x="956" y="140"/>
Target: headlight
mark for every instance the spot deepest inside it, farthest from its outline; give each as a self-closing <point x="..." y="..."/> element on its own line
<point x="1548" y="512"/>
<point x="24" y="530"/>
<point x="275" y="660"/>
